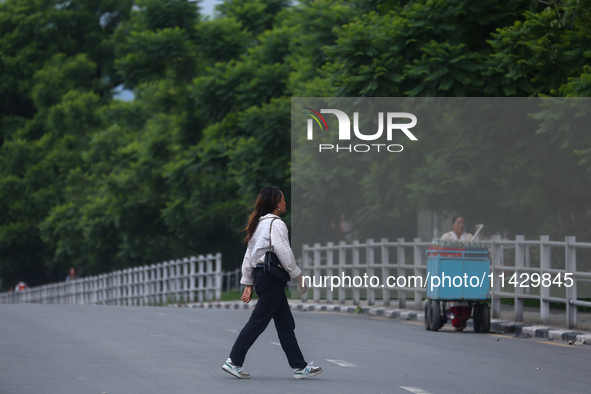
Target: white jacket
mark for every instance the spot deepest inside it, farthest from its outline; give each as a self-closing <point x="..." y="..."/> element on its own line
<point x="259" y="244"/>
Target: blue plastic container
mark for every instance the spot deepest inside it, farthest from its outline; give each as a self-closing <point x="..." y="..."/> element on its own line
<point x="463" y="275"/>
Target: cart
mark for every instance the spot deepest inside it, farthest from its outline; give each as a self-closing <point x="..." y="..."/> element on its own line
<point x="472" y="266"/>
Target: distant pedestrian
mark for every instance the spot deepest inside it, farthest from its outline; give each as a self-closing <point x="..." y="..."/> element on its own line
<point x="20" y="286"/>
<point x="71" y="274"/>
<point x="457" y="234"/>
<point x="264" y="222"/>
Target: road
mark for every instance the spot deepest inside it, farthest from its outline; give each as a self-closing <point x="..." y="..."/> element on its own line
<point x="107" y="349"/>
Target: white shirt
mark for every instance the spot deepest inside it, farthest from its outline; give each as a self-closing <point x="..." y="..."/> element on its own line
<point x="259" y="244"/>
<point x="452" y="236"/>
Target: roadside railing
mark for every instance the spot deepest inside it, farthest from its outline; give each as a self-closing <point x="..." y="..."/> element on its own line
<point x="386" y="258"/>
<point x="183" y="280"/>
<point x="231" y="280"/>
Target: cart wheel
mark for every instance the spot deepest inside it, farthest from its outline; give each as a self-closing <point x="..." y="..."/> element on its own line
<point x="435" y="316"/>
<point x="477" y="317"/>
<point x="428" y="315"/>
<point x="485" y="318"/>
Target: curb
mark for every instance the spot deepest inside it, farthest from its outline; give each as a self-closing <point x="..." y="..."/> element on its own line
<point x="498" y="326"/>
<point x="572" y="337"/>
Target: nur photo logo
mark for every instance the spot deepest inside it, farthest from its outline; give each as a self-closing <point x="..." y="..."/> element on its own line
<point x="391" y="120"/>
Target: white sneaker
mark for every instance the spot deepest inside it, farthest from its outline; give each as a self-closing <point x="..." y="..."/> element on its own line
<point x="235" y="370"/>
<point x="307" y="372"/>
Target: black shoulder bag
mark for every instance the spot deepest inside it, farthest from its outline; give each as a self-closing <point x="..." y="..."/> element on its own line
<point x="272" y="266"/>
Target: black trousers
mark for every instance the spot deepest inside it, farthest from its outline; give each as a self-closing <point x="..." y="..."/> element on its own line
<point x="272" y="304"/>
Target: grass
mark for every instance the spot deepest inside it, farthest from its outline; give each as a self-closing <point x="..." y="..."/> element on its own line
<point x="234" y="295"/>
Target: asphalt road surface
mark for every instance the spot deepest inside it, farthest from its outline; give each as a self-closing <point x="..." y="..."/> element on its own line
<point x="108" y="349"/>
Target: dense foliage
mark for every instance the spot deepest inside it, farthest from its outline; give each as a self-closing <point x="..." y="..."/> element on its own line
<point x="91" y="181"/>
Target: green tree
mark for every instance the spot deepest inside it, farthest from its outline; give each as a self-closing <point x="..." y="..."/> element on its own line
<point x="56" y="68"/>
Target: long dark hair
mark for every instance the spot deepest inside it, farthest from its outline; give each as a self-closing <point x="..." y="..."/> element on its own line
<point x="267" y="201"/>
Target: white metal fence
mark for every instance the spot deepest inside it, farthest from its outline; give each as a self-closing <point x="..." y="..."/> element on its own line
<point x="391" y="258"/>
<point x="184" y="280"/>
<point x="231" y="280"/>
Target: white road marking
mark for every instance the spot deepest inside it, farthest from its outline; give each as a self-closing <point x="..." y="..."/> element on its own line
<point x="415" y="390"/>
<point x="234" y="331"/>
<point x="276" y="343"/>
<point x="342" y="363"/>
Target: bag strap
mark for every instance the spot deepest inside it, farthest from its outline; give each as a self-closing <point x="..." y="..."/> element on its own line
<point x="270" y="228"/>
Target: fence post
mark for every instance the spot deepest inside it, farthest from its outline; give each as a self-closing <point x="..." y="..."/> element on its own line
<point x="545" y="264"/>
<point x="316" y="272"/>
<point x="201" y="279"/>
<point x="209" y="281"/>
<point x="99" y="290"/>
<point x="305" y="268"/>
<point x="385" y="272"/>
<point x="178" y="271"/>
<point x="181" y="275"/>
<point x="151" y="289"/>
<point x="108" y="291"/>
<point x="519" y="263"/>
<point x="137" y="286"/>
<point x="400" y="257"/>
<point x="355" y="271"/>
<point x="91" y="289"/>
<point x="218" y="273"/>
<point x="85" y="289"/>
<point x="142" y="285"/>
<point x="111" y="294"/>
<point x="77" y="289"/>
<point x="342" y="267"/>
<point x="133" y="281"/>
<point x="418" y="263"/>
<point x="134" y="276"/>
<point x="156" y="286"/>
<point x="117" y="289"/>
<point x="496" y="265"/>
<point x="121" y="286"/>
<point x="192" y="276"/>
<point x="329" y="270"/>
<point x="178" y="282"/>
<point x="129" y="288"/>
<point x="110" y="288"/>
<point x="527" y="265"/>
<point x="163" y="283"/>
<point x="571" y="292"/>
<point x="238" y="273"/>
<point x="187" y="280"/>
<point x="370" y="260"/>
<point x="171" y="282"/>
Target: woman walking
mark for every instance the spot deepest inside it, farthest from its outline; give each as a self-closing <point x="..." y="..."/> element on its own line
<point x="265" y="228"/>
